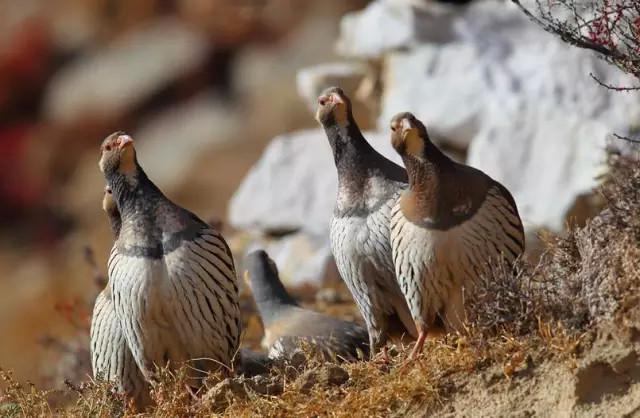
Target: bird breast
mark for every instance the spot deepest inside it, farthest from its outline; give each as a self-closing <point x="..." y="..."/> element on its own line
<point x="461" y="253"/>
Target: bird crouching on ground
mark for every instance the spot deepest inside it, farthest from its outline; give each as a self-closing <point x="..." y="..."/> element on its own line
<point x="447" y="229"/>
<point x="288" y="326"/>
<point x="171" y="276"/>
<point x="111" y="358"/>
<point x="368" y="185"/>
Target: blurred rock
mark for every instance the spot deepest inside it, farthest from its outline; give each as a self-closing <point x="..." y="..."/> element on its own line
<point x="442" y="85"/>
<point x="107" y="83"/>
<point x="387" y="25"/>
<point x="294" y="184"/>
<point x="557" y="160"/>
<point x="329" y="295"/>
<point x="265" y="74"/>
<point x="169" y="144"/>
<point x="311" y="81"/>
<point x="167" y="147"/>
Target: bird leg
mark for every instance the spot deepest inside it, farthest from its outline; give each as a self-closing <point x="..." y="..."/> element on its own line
<point x="383" y="357"/>
<point x="417" y="349"/>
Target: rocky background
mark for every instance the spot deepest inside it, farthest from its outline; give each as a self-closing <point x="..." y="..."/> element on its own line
<point x="219" y="96"/>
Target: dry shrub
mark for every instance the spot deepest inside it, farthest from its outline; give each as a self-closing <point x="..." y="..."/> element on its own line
<point x="582" y="277"/>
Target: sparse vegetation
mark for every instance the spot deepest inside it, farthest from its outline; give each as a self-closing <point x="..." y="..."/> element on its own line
<point x="582" y="277"/>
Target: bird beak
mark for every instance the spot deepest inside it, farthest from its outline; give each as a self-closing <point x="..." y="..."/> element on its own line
<point x="124" y="141"/>
<point x="406" y="125"/>
<point x="336" y="99"/>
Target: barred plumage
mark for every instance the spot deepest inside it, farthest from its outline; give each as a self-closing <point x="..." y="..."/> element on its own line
<point x="289" y="326"/>
<point x="111" y="358"/>
<point x="172" y="277"/>
<point x="447" y="229"/>
<point x="367" y="189"/>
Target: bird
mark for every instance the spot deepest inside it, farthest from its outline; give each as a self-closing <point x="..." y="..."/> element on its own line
<point x="447" y="229"/>
<point x="288" y="326"/>
<point x="111" y="358"/>
<point x="171" y="276"/>
<point x="368" y="185"/>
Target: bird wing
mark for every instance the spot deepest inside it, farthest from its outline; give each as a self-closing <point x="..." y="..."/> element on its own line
<point x="111" y="358"/>
<point x="203" y="297"/>
<point x="332" y="337"/>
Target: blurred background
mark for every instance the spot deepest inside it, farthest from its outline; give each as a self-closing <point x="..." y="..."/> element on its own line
<point x="219" y="97"/>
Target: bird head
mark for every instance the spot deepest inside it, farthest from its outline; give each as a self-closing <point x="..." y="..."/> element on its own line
<point x="118" y="155"/>
<point x="408" y="135"/>
<point x="260" y="269"/>
<point x="265" y="284"/>
<point x="333" y="107"/>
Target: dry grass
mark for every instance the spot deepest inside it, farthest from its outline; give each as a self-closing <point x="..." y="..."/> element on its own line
<point x="582" y="278"/>
<point x="546" y="312"/>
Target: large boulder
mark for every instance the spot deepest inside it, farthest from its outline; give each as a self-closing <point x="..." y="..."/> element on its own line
<point x="386" y="25"/>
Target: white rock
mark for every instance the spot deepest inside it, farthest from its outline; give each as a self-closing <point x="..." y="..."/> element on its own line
<point x="546" y="159"/>
<point x="311" y="81"/>
<point x="386" y="25"/>
<point x="441" y="85"/>
<point x="116" y="78"/>
<point x="294" y="184"/>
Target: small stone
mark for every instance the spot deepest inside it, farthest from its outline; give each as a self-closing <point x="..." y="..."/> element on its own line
<point x="298" y="360"/>
<point x="325" y="376"/>
<point x="329" y="295"/>
<point x="335" y="375"/>
<point x="264" y="385"/>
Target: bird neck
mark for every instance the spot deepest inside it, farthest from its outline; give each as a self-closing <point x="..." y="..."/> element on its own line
<point x="271" y="297"/>
<point x="134" y="194"/>
<point x="350" y="148"/>
<point x="426" y="174"/>
<point x="356" y="160"/>
<point x="115" y="221"/>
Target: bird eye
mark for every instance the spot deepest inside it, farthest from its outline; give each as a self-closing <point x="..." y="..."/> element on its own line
<point x="393" y="128"/>
<point x="107" y="147"/>
<point x="322" y="101"/>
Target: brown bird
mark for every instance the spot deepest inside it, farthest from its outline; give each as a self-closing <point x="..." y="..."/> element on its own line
<point x="172" y="277"/>
<point x="368" y="186"/>
<point x="288" y="325"/>
<point x="447" y="229"/>
<point x="111" y="358"/>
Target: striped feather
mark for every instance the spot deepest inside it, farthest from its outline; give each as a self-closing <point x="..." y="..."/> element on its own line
<point x="180" y="307"/>
<point x="437" y="268"/>
<point x="362" y="251"/>
<point x="111" y="358"/>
